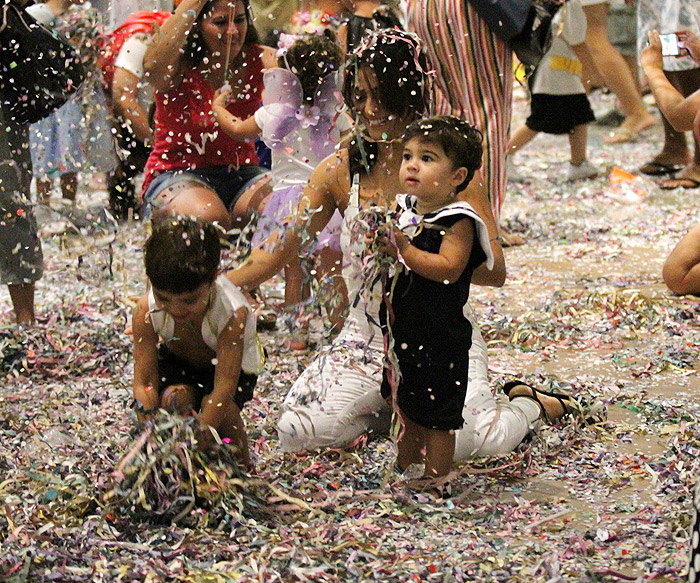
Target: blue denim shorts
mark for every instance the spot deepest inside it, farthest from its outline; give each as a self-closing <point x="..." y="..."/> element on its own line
<point x="227" y="182"/>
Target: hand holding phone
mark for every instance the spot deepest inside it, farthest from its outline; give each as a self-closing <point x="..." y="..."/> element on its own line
<point x="669" y="45"/>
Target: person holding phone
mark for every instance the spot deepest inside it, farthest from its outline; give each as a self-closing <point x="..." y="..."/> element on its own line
<point x="679" y="167"/>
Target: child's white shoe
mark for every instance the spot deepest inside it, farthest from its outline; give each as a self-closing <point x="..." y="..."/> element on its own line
<point x="583" y="170"/>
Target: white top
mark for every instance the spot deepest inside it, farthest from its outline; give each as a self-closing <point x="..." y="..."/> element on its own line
<point x="130" y="58"/>
<point x="226" y="300"/>
<point x="558" y="72"/>
<point x="294" y="168"/>
<point x="42" y="14"/>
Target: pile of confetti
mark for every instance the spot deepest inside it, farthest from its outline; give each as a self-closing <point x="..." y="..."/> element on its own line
<point x="603" y="497"/>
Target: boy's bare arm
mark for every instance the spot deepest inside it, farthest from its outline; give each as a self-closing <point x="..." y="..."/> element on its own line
<point x="145" y="357"/>
<point x="447" y="265"/>
<point x="229" y="356"/>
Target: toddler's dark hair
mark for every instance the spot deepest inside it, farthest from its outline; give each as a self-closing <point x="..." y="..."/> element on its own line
<point x="182" y="254"/>
<point x="311" y="58"/>
<point x="461" y="141"/>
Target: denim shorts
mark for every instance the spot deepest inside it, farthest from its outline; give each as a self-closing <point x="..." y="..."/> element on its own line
<point x="227" y="182"/>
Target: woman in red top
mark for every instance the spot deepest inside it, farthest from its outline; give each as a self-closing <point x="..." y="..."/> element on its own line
<point x="194" y="168"/>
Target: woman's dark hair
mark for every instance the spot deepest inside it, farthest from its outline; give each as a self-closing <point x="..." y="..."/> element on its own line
<point x="195" y="51"/>
<point x="182" y="254"/>
<point x="311" y="58"/>
<point x="405" y="87"/>
<point x="461" y="141"/>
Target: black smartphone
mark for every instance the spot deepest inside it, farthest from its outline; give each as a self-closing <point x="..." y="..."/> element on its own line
<point x="669" y="45"/>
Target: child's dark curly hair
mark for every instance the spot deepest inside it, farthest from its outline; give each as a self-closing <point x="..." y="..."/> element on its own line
<point x="461" y="141"/>
<point x="182" y="254"/>
<point x="311" y="58"/>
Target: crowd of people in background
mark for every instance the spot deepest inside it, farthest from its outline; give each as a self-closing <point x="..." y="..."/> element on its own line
<point x="292" y="113"/>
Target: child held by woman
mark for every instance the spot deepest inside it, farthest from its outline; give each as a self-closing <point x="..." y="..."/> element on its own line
<point x="439" y="241"/>
<point x="301" y="122"/>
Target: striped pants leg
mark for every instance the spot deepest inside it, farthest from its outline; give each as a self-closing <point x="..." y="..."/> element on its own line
<point x="474" y="78"/>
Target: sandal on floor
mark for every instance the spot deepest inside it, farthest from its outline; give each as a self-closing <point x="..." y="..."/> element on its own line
<point x="564" y="400"/>
<point x="654" y="168"/>
<point x="680" y="182"/>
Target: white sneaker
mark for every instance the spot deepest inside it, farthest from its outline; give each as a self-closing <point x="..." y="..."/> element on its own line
<point x="583" y="170"/>
<point x="512" y="173"/>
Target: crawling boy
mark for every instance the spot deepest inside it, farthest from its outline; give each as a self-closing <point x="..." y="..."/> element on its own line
<point x="195" y="345"/>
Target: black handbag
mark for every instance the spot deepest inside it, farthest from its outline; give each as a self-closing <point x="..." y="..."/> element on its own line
<point x="535" y="39"/>
<point x="39" y="70"/>
<point x="524" y="24"/>
<point x="505" y="18"/>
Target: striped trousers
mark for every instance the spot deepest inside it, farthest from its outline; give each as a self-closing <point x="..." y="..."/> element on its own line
<point x="474" y="78"/>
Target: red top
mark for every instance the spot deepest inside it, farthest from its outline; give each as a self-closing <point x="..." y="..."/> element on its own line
<point x="187" y="136"/>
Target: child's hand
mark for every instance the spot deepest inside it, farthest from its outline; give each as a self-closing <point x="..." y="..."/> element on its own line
<point x="220" y="98"/>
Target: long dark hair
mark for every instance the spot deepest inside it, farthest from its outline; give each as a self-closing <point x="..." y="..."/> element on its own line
<point x="195" y="50"/>
<point x="405" y="85"/>
<point x="311" y="58"/>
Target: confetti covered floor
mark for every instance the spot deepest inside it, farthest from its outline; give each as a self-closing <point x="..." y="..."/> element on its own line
<point x="583" y="309"/>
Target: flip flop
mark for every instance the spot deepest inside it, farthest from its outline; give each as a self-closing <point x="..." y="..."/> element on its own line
<point x="564" y="400"/>
<point x="621" y="135"/>
<point x="654" y="168"/>
<point x="681" y="182"/>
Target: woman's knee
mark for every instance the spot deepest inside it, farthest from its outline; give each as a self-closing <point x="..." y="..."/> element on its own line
<point x="192" y="199"/>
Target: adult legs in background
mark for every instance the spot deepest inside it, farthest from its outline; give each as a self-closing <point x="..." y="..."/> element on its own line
<point x="617" y="76"/>
<point x="675" y="151"/>
<point x="21" y="259"/>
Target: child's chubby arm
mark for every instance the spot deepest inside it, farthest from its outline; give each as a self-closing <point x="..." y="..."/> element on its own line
<point x="444" y="266"/>
<point x="229" y="356"/>
<point x="238" y="129"/>
<point x="145" y="358"/>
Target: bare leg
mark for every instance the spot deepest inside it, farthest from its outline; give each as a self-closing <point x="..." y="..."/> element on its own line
<point x="616" y="74"/>
<point x="519" y="139"/>
<point x="687" y="83"/>
<point x="439" y="451"/>
<point x="411" y="444"/>
<point x="250" y="201"/>
<point x="22" y="296"/>
<point x="69" y="185"/>
<point x="191" y="199"/>
<point x="578" y="140"/>
<point x="43" y="188"/>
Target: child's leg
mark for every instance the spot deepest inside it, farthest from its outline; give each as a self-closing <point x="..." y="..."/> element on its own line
<point x="519" y="139"/>
<point x="411" y="444"/>
<point x="43" y="189"/>
<point x="293" y="284"/>
<point x="22" y="296"/>
<point x="439" y="450"/>
<point x="233" y="427"/>
<point x="180" y="399"/>
<point x="294" y="293"/>
<point x="578" y="140"/>
<point x="69" y="185"/>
